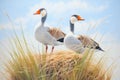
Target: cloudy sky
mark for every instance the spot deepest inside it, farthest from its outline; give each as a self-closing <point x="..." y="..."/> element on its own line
<point x="101" y="20"/>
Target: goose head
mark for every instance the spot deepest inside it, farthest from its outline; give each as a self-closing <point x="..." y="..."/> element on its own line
<point x="75" y="18"/>
<point x="41" y="11"/>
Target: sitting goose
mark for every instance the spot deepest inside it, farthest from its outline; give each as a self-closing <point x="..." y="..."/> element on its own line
<point x="80" y="42"/>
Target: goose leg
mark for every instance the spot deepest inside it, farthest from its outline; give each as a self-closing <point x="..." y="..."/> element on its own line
<point x="46" y="48"/>
<point x="52" y="49"/>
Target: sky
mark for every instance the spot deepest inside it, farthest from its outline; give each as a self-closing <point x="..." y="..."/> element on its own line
<point x="101" y="19"/>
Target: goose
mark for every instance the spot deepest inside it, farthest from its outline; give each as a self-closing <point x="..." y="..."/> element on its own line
<point x="79" y="43"/>
<point x="46" y="35"/>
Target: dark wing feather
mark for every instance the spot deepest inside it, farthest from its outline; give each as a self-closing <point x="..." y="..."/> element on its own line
<point x="57" y="34"/>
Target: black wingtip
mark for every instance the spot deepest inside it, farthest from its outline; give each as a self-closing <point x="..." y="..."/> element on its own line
<point x="99" y="48"/>
<point x="61" y="40"/>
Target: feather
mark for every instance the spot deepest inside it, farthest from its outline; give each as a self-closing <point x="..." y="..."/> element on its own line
<point x="56" y="33"/>
<point x="87" y="42"/>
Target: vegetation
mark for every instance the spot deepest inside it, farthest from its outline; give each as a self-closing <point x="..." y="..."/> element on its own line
<point x="26" y="64"/>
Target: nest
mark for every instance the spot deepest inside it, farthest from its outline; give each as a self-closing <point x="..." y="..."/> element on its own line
<point x="61" y="65"/>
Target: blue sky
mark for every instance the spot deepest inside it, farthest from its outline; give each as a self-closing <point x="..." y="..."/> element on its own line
<point x="90" y="10"/>
<point x="101" y="17"/>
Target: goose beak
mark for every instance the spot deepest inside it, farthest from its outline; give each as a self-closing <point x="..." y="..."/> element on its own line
<point x="37" y="12"/>
<point x="80" y="19"/>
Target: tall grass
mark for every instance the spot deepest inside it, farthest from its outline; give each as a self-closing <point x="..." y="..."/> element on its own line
<point x="26" y="64"/>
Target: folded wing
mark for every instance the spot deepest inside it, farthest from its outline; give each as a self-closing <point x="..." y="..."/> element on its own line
<point x="88" y="42"/>
<point x="57" y="34"/>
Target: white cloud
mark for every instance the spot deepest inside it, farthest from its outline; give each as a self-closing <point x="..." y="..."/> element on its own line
<point x="54" y="9"/>
<point x="61" y="7"/>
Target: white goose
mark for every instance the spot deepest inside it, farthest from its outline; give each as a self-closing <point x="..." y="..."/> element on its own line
<point x="46" y="35"/>
<point x="80" y="42"/>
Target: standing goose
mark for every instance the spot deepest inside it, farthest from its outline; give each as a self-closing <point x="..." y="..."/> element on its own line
<point x="46" y="35"/>
<point x="80" y="42"/>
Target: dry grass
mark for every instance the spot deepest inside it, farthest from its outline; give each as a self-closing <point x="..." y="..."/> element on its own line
<point x="26" y="64"/>
<point x="61" y="65"/>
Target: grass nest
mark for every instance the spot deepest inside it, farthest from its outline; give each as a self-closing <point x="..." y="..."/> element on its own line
<point x="60" y="65"/>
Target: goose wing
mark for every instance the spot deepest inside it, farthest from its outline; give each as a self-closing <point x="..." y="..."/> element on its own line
<point x="88" y="42"/>
<point x="57" y="34"/>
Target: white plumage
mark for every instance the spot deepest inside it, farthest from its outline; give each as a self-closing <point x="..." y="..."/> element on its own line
<point x="79" y="43"/>
<point x="42" y="35"/>
<point x="72" y="43"/>
<point x="46" y="35"/>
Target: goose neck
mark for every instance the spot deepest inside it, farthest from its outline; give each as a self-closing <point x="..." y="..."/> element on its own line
<point x="43" y="20"/>
<point x="72" y="27"/>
